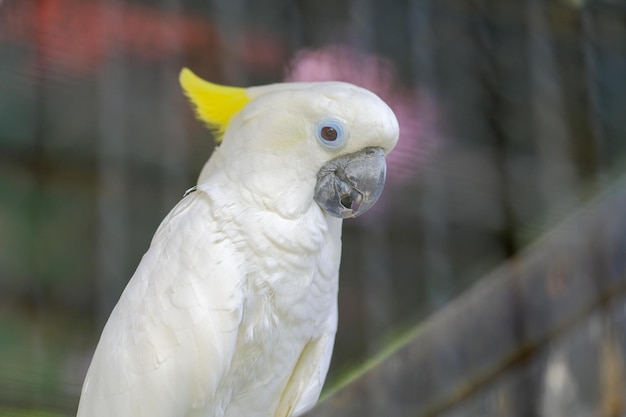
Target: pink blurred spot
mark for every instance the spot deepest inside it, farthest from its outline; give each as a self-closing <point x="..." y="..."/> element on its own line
<point x="416" y="110"/>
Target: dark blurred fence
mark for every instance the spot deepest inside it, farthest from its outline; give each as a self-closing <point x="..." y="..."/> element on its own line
<point x="543" y="335"/>
<point x="511" y="117"/>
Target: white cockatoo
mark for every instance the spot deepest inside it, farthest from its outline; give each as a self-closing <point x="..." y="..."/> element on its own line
<point x="232" y="311"/>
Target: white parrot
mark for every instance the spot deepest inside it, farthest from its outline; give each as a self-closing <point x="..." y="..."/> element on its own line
<point x="232" y="311"/>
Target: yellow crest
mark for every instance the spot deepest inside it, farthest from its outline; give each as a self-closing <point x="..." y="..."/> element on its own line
<point x="215" y="104"/>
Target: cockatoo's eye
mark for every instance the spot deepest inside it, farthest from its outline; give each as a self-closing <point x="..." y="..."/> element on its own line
<point x="331" y="132"/>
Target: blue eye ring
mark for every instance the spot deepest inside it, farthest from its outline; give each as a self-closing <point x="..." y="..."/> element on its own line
<point x="331" y="132"/>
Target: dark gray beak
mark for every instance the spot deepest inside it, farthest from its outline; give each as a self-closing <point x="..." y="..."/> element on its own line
<point x="349" y="185"/>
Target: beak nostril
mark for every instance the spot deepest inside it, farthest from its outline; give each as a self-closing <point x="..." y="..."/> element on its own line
<point x="352" y="201"/>
<point x="346" y="201"/>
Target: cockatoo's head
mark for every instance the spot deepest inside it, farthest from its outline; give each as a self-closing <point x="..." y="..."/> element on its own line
<point x="294" y="143"/>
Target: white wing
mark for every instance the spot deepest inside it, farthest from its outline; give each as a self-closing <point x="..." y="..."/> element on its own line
<point x="172" y="335"/>
<point x="307" y="379"/>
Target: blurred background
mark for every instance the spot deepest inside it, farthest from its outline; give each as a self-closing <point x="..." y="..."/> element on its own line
<point x="511" y="115"/>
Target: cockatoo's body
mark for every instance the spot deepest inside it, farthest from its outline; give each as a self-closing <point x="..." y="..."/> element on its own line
<point x="232" y="311"/>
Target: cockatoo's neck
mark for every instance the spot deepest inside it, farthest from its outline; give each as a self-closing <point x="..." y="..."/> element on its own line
<point x="266" y="183"/>
<point x="306" y="233"/>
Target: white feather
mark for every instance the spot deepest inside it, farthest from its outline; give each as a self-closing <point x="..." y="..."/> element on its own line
<point x="216" y="317"/>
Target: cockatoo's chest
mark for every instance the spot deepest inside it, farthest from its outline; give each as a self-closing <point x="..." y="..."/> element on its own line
<point x="290" y="296"/>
